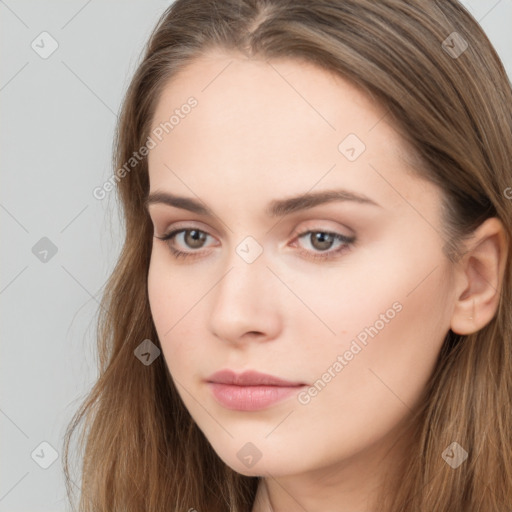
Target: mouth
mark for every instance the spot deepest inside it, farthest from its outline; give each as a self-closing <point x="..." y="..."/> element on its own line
<point x="250" y="390"/>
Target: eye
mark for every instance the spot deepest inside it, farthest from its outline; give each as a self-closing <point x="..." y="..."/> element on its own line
<point x="322" y="241"/>
<point x="193" y="238"/>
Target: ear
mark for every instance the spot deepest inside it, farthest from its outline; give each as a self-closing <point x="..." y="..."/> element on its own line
<point x="480" y="277"/>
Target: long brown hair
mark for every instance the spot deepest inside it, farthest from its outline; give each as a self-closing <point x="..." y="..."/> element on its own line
<point x="453" y="105"/>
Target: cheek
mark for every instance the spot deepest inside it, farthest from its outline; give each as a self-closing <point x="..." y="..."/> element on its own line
<point x="390" y="325"/>
<point x="161" y="301"/>
<point x="381" y="304"/>
<point x="371" y="378"/>
<point x="168" y="297"/>
<point x="171" y="291"/>
<point x="175" y="299"/>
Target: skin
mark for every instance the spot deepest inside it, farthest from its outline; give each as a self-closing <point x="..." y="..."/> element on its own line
<point x="270" y="130"/>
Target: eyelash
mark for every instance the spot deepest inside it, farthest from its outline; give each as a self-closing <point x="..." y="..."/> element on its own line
<point x="322" y="255"/>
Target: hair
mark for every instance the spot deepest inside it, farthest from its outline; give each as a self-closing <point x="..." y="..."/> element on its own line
<point x="141" y="448"/>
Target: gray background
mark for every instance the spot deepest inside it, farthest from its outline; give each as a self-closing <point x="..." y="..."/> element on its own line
<point x="58" y="117"/>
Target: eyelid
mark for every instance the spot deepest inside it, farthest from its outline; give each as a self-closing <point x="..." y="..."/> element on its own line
<point x="184" y="224"/>
<point x="319" y="226"/>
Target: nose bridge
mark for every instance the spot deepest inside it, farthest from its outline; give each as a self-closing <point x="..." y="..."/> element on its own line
<point x="243" y="301"/>
<point x="246" y="278"/>
<point x="247" y="265"/>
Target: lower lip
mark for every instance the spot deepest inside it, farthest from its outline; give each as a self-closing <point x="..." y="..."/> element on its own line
<point x="250" y="398"/>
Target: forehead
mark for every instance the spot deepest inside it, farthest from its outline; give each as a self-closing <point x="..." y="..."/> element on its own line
<point x="260" y="124"/>
<point x="228" y="84"/>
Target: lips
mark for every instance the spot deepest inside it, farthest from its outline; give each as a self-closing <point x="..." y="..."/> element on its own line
<point x="250" y="390"/>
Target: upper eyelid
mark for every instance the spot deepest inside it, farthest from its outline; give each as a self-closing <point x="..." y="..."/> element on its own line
<point x="178" y="226"/>
<point x="314" y="227"/>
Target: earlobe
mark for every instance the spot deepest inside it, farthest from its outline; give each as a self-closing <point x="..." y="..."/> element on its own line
<point x="480" y="274"/>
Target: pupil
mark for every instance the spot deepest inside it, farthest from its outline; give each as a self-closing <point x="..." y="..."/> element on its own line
<point x="324" y="239"/>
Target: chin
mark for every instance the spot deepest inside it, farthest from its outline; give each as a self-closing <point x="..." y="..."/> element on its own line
<point x="257" y="467"/>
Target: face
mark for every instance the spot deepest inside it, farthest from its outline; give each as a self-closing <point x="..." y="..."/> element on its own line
<point x="346" y="298"/>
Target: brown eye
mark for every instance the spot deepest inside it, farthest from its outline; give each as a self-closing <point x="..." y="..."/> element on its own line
<point x="191" y="239"/>
<point x="194" y="238"/>
<point x="321" y="240"/>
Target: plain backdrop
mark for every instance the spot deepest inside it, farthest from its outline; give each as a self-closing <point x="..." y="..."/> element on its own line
<point x="64" y="68"/>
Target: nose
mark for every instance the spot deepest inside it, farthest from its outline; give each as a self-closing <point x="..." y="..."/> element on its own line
<point x="245" y="303"/>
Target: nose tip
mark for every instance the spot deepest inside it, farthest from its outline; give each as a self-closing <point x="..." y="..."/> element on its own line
<point x="243" y="307"/>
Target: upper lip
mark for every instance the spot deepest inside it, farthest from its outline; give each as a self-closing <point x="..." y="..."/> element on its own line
<point x="249" y="378"/>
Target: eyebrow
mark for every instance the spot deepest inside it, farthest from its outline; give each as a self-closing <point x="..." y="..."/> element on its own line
<point x="276" y="207"/>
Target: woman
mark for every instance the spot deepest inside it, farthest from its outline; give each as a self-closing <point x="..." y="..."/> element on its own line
<point x="312" y="307"/>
